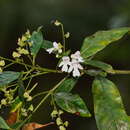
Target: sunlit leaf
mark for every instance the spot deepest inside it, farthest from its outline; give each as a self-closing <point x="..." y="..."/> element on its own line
<point x="72" y="104"/>
<point x="100" y="40"/>
<point x="7" y="77"/>
<point x="3" y="124"/>
<point x="108" y="107"/>
<point x="67" y="85"/>
<point x="99" y="64"/>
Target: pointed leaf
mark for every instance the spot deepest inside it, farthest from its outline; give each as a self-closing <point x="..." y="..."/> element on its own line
<point x="72" y="104"/>
<point x="7" y="77"/>
<point x="100" y="40"/>
<point x="37" y="40"/>
<point x="3" y="124"/>
<point x="99" y="64"/>
<point x="108" y="106"/>
<point x="67" y="85"/>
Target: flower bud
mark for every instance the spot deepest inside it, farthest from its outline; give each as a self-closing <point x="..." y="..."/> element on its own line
<point x="16" y="54"/>
<point x="2" y="63"/>
<point x="59" y="121"/>
<point x="62" y="128"/>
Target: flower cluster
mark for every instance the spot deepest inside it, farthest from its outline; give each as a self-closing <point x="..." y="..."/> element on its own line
<point x="72" y="65"/>
<point x="22" y="43"/>
<point x="8" y="97"/>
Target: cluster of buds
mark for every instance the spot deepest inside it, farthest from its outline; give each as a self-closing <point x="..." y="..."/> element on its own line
<point x="22" y="43"/>
<point x="24" y="111"/>
<point x="2" y="63"/>
<point x="27" y="96"/>
<point x="61" y="125"/>
<point x="72" y="65"/>
<point x="8" y="98"/>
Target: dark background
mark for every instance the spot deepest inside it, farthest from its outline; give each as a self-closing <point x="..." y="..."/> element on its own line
<point x="81" y="18"/>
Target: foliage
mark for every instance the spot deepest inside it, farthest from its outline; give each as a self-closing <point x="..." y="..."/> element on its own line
<point x="17" y="89"/>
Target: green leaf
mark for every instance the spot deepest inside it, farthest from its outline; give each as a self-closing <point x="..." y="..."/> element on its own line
<point x="37" y="40"/>
<point x="47" y="44"/>
<point x="99" y="64"/>
<point x="100" y="40"/>
<point x="67" y="85"/>
<point x="108" y="106"/>
<point x="3" y="124"/>
<point x="17" y="103"/>
<point x="72" y="104"/>
<point x="7" y="77"/>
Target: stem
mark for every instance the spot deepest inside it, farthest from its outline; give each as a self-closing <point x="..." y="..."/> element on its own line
<point x="42" y="101"/>
<point x="33" y="62"/>
<point x="120" y="72"/>
<point x="63" y="36"/>
<point x="33" y="67"/>
<point x="50" y="92"/>
<point x="42" y="93"/>
<point x="8" y="65"/>
<point x="35" y="75"/>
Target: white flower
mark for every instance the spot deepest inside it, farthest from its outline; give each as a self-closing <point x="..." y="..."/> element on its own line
<point x="56" y="48"/>
<point x="65" y="63"/>
<point x="77" y="56"/>
<point x="75" y="67"/>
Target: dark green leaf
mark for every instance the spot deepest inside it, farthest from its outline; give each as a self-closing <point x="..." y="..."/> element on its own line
<point x="108" y="106"/>
<point x="67" y="85"/>
<point x="100" y="40"/>
<point x="3" y="124"/>
<point x="72" y="104"/>
<point x="37" y="40"/>
<point x="7" y="77"/>
<point x="47" y="44"/>
<point x="99" y="64"/>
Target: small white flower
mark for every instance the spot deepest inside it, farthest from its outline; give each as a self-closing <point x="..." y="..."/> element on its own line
<point x="50" y="50"/>
<point x="75" y="67"/>
<point x="65" y="63"/>
<point x="77" y="56"/>
<point x="57" y="47"/>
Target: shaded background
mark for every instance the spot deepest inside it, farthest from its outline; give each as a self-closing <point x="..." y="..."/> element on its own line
<point x="80" y="18"/>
